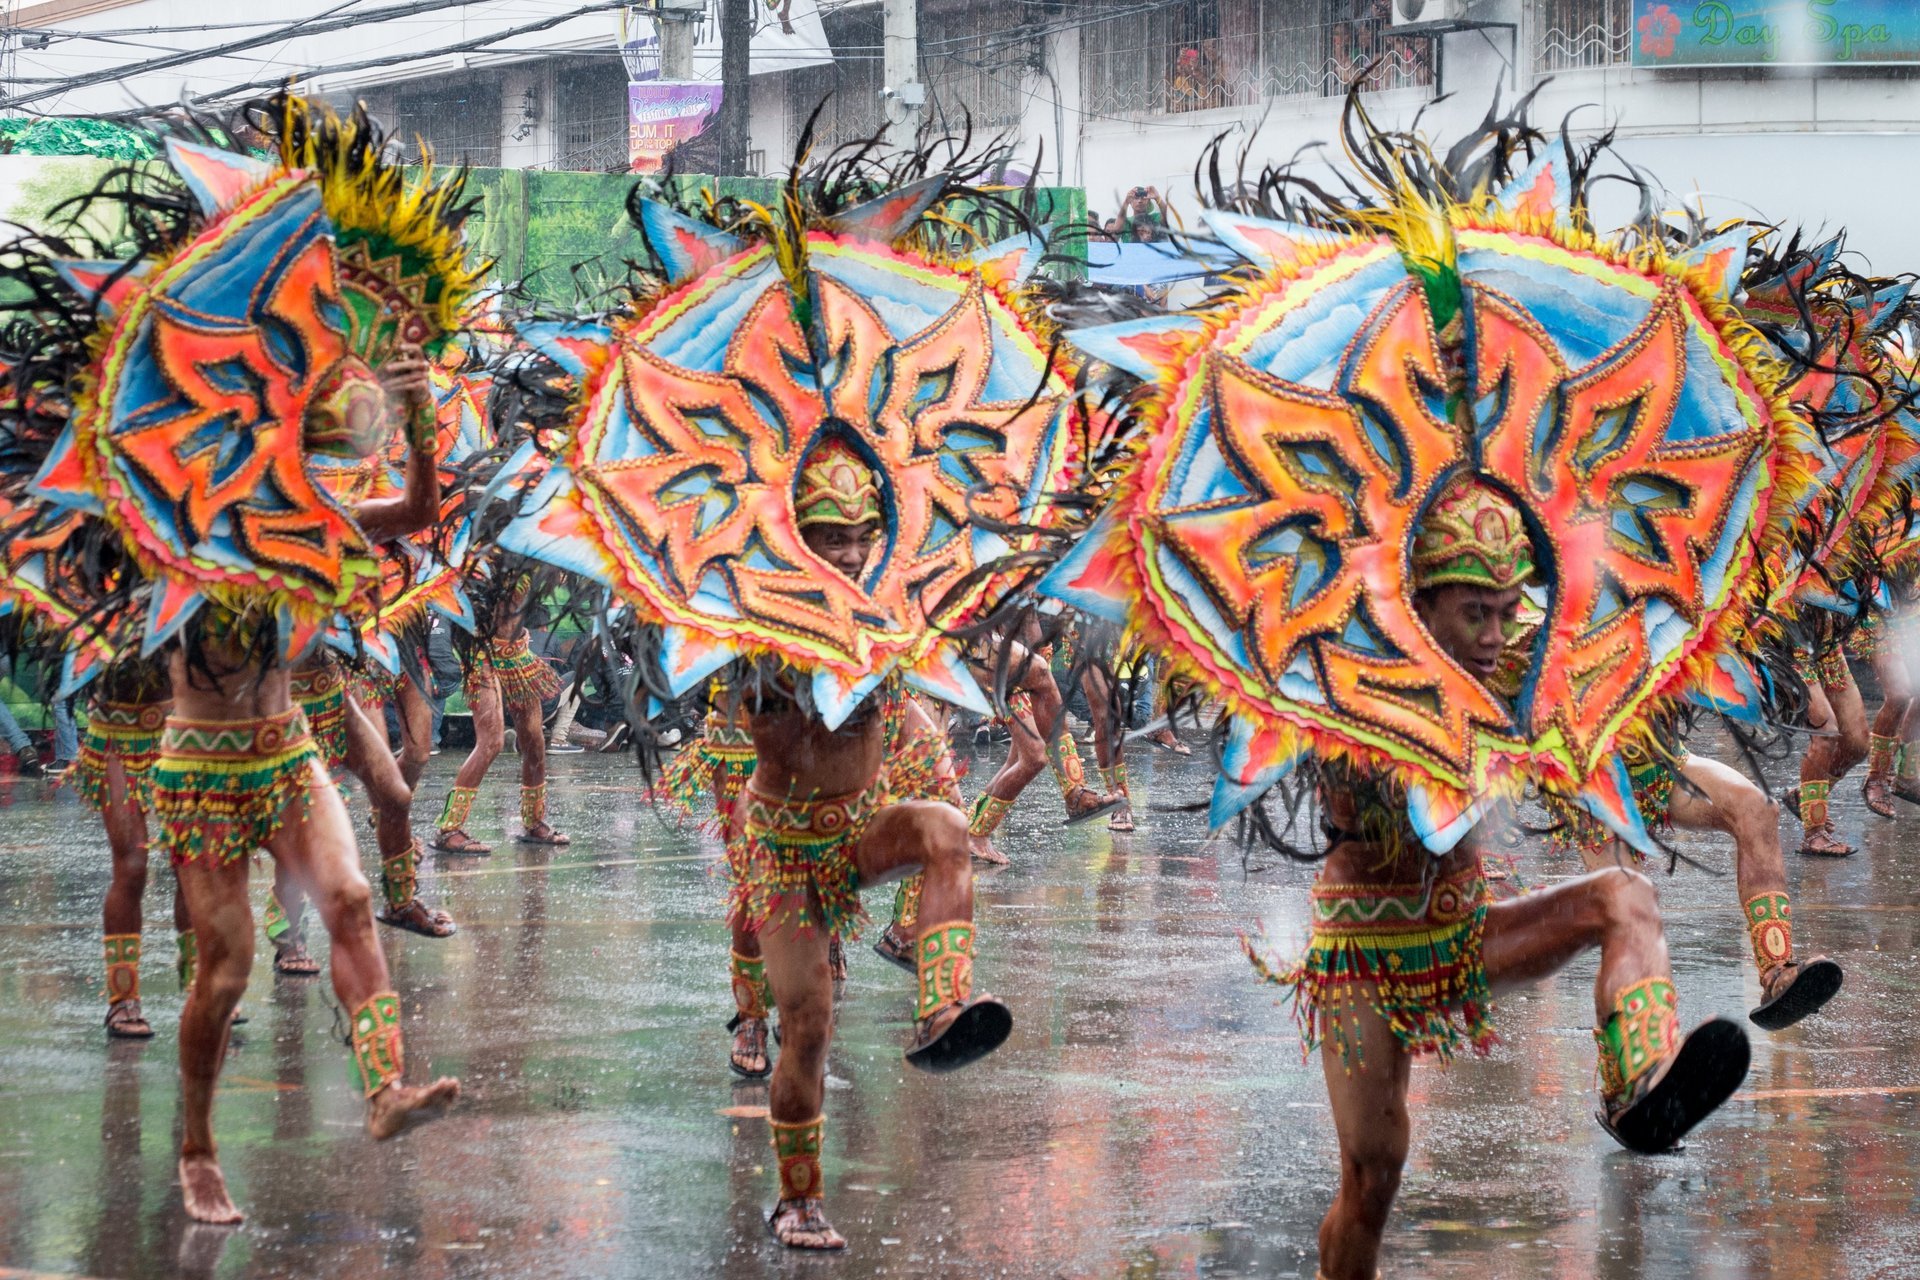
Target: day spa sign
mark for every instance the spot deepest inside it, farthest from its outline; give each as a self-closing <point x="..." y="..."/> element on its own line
<point x="1751" y="33"/>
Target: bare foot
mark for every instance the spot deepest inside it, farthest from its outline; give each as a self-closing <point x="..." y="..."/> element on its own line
<point x="400" y="1106"/>
<point x="748" y="1058"/>
<point x="983" y="851"/>
<point x="802" y="1224"/>
<point x="544" y="833"/>
<point x="204" y="1188"/>
<point x="1122" y="819"/>
<point x="293" y="960"/>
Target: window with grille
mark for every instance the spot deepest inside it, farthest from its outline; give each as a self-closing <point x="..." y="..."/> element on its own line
<point x="1571" y="34"/>
<point x="847" y="91"/>
<point x="1196" y="55"/>
<point x="590" y="114"/>
<point x="459" y="119"/>
<point x="972" y="59"/>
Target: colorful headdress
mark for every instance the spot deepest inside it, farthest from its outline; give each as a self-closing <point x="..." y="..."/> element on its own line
<point x="1474" y="536"/>
<point x="223" y="363"/>
<point x="676" y="484"/>
<point x="1298" y="429"/>
<point x="836" y="486"/>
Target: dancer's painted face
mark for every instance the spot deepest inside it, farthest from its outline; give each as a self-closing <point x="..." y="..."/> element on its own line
<point x="1471" y="623"/>
<point x="847" y="547"/>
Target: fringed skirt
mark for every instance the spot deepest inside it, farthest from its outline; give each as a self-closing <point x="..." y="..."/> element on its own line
<point x="795" y="861"/>
<point x="321" y="692"/>
<point x="521" y="675"/>
<point x="1411" y="951"/>
<point x="125" y="731"/>
<point x="222" y="788"/>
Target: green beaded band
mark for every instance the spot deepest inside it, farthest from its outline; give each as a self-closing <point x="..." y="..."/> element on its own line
<point x="1770" y="927"/>
<point x="400" y="876"/>
<point x="453" y="814"/>
<point x="944" y="961"/>
<point x="187" y="943"/>
<point x="751" y="994"/>
<point x="274" y="923"/>
<point x="989" y="811"/>
<point x="797" y="1148"/>
<point x="1641" y="1033"/>
<point x="378" y="1053"/>
<point x="123" y="967"/>
<point x="906" y="902"/>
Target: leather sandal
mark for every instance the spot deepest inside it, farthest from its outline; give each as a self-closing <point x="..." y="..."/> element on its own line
<point x="1703" y="1073"/>
<point x="1798" y="988"/>
<point x="980" y="1026"/>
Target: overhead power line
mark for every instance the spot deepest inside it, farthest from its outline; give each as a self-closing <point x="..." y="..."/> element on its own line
<point x="302" y="27"/>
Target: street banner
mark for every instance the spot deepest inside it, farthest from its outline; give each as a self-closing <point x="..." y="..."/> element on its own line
<point x="662" y="114"/>
<point x="1779" y="33"/>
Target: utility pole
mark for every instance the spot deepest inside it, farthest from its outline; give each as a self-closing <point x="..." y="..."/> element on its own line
<point x="903" y="97"/>
<point x="736" y="31"/>
<point x="675" y="20"/>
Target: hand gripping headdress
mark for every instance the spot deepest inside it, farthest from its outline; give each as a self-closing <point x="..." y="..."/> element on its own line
<point x="229" y="360"/>
<point x="781" y="358"/>
<point x="1315" y="437"/>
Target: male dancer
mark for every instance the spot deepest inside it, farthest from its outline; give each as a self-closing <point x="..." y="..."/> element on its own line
<point x="1717" y="798"/>
<point x="238" y="771"/>
<point x="503" y="672"/>
<point x="1038" y="720"/>
<point x="111" y="771"/>
<point x="1407" y="952"/>
<point x="817" y="826"/>
<point x="1893" y="767"/>
<point x="1838" y="720"/>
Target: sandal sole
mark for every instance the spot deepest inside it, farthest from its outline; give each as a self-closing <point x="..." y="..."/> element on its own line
<point x="979" y="1030"/>
<point x="1711" y="1064"/>
<point x="1817" y="982"/>
<point x="1099" y="812"/>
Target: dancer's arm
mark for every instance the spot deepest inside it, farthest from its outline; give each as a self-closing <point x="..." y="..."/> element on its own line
<point x="418" y="506"/>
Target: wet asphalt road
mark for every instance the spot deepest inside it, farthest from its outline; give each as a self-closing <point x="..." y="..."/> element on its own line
<point x="1152" y="1115"/>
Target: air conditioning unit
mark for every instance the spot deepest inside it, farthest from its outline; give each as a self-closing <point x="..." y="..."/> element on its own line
<point x="1407" y="13"/>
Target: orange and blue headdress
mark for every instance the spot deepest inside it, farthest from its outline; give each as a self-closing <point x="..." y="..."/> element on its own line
<point x="1457" y="320"/>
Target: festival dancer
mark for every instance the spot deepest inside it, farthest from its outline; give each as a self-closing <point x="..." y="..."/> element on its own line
<point x="1709" y="796"/>
<point x="1893" y="766"/>
<point x="1407" y="954"/>
<point x="1041" y="740"/>
<point x="1837" y="724"/>
<point x="505" y="680"/>
<point x="816" y="826"/>
<point x="1432" y="397"/>
<point x="935" y="404"/>
<point x="312" y="279"/>
<point x="111" y="773"/>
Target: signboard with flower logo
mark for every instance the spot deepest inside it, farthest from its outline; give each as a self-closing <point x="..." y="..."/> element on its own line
<point x="1747" y="33"/>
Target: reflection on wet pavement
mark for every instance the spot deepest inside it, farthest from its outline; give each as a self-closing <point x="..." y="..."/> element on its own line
<point x="1151" y="1116"/>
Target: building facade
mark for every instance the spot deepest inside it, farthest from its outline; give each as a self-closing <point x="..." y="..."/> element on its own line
<point x="1112" y="94"/>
